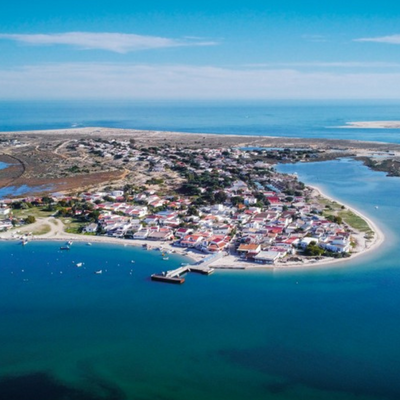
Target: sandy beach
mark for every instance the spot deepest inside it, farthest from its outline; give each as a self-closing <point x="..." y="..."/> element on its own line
<point x="372" y="125"/>
<point x="57" y="233"/>
<point x="363" y="246"/>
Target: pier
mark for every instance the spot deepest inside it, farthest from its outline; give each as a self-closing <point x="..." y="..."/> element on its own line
<point x="175" y="276"/>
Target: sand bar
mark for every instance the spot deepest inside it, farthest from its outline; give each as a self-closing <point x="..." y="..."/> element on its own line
<point x="372" y="125"/>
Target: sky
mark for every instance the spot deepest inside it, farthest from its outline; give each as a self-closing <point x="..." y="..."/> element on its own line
<point x="281" y="49"/>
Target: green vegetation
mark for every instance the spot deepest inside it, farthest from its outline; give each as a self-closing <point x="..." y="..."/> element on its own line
<point x="313" y="250"/>
<point x="355" y="221"/>
<point x="73" y="225"/>
<point x="154" y="181"/>
<point x="338" y="213"/>
<point x="35" y="211"/>
<point x="30" y="219"/>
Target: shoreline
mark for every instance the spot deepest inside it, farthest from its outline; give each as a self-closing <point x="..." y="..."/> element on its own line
<point x="377" y="240"/>
<point x="228" y="262"/>
<point x="61" y="236"/>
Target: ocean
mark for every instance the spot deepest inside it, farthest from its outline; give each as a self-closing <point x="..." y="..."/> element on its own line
<point x="319" y="333"/>
<point x="280" y="118"/>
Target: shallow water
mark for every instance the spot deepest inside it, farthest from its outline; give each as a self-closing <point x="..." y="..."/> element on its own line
<point x="21" y="190"/>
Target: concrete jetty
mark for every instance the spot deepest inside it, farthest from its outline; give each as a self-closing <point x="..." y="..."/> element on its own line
<point x="175" y="276"/>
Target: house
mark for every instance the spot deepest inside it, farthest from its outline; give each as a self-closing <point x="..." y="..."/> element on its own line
<point x="337" y="244"/>
<point x="117" y="193"/>
<point x="306" y="241"/>
<point x="161" y="235"/>
<point x="181" y="232"/>
<point x="4" y="211"/>
<point x="191" y="240"/>
<point x="215" y="244"/>
<point x="142" y="234"/>
<point x="267" y="257"/>
<point x="91" y="228"/>
<point x="5" y="224"/>
<point x="249" y="249"/>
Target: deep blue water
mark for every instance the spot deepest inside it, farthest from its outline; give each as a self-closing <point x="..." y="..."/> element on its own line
<point x="322" y="333"/>
<point x="278" y="118"/>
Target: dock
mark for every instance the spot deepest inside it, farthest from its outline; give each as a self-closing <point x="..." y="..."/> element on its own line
<point x="175" y="276"/>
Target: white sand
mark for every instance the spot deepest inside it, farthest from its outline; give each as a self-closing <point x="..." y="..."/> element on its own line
<point x="372" y="125"/>
<point x="233" y="262"/>
<point x="57" y="233"/>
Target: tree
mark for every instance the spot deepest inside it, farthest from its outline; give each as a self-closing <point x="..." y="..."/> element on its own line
<point x="47" y="200"/>
<point x="30" y="219"/>
<point x="192" y="210"/>
<point x="313" y="249"/>
<point x="237" y="200"/>
<point x="220" y="197"/>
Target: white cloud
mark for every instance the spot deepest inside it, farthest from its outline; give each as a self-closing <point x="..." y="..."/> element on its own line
<point x="393" y="39"/>
<point x="333" y="64"/>
<point x="90" y="80"/>
<point x="116" y="42"/>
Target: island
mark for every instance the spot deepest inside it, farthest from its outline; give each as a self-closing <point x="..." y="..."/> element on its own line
<point x="215" y="198"/>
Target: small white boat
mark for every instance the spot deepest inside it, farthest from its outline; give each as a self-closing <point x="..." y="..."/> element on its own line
<point x="79" y="264"/>
<point x="69" y="242"/>
<point x="165" y="258"/>
<point x="133" y="261"/>
<point x="100" y="271"/>
<point x="89" y="244"/>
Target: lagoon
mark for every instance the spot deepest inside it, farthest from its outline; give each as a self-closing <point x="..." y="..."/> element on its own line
<point x="319" y="333"/>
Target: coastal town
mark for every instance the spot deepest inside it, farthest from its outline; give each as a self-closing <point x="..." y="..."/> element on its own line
<point x="228" y="202"/>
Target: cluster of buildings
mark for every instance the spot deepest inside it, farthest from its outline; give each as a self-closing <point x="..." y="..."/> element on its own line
<point x="264" y="216"/>
<point x="256" y="234"/>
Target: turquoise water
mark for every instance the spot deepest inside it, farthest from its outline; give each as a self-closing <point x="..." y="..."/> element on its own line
<point x="323" y="333"/>
<point x="308" y="119"/>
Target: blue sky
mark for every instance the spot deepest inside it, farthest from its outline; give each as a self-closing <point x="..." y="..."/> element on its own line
<point x="199" y="49"/>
